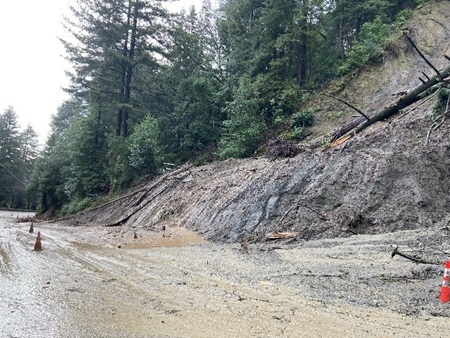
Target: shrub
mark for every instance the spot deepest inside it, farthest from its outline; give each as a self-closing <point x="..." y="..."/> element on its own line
<point x="369" y="45"/>
<point x="442" y="97"/>
<point x="298" y="133"/>
<point x="304" y="118"/>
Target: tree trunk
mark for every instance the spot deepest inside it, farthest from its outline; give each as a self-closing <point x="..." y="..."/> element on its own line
<point x="127" y="75"/>
<point x="405" y="101"/>
<point x="120" y="113"/>
<point x="396" y="106"/>
<point x="303" y="47"/>
<point x="129" y="72"/>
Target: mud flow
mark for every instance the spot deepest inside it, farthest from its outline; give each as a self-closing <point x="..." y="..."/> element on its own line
<point x="111" y="282"/>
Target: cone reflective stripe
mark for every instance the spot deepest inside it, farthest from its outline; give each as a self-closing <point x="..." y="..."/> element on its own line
<point x="38" y="244"/>
<point x="445" y="291"/>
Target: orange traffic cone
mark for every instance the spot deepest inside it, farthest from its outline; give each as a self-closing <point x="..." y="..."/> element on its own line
<point x="31" y="228"/>
<point x="38" y="244"/>
<point x="445" y="291"/>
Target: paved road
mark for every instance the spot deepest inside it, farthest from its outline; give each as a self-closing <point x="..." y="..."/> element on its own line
<point x="83" y="285"/>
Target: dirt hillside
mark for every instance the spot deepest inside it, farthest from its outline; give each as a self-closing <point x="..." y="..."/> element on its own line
<point x="384" y="179"/>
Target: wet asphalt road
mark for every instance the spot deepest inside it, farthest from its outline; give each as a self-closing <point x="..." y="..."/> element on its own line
<point x="81" y="285"/>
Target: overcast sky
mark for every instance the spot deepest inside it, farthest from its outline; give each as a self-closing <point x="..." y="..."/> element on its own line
<point x="31" y="59"/>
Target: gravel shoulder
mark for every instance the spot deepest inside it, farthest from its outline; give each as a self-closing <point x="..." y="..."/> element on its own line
<point x="104" y="282"/>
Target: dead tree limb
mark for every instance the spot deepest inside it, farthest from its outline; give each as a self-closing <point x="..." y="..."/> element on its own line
<point x="347" y="104"/>
<point x="421" y="55"/>
<point x="345" y="129"/>
<point x="424" y="74"/>
<point x="322" y="217"/>
<point x="411" y="258"/>
<point x="297" y="205"/>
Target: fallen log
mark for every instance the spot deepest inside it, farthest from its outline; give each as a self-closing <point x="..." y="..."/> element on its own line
<point x="411" y="97"/>
<point x="282" y="235"/>
<point x="345" y="129"/>
<point x="404" y="101"/>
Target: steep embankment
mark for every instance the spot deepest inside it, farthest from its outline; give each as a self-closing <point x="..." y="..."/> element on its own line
<point x="383" y="179"/>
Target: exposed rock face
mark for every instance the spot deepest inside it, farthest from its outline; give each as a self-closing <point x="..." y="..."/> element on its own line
<point x="382" y="180"/>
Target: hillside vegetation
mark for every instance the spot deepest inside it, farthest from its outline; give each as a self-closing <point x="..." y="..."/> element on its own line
<point x="390" y="177"/>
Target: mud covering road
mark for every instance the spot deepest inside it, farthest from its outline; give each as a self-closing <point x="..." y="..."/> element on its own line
<point x="104" y="282"/>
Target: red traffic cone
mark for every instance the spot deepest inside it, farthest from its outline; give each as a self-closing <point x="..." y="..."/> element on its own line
<point x="31" y="228"/>
<point x="38" y="244"/>
<point x="445" y="291"/>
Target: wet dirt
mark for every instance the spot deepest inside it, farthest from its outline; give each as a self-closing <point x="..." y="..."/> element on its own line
<point x="103" y="282"/>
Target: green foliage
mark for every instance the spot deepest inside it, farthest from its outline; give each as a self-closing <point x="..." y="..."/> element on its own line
<point x="72" y="165"/>
<point x="402" y="18"/>
<point x="243" y="127"/>
<point x="442" y="101"/>
<point x="304" y="118"/>
<point x="47" y="179"/>
<point x="298" y="133"/>
<point x="369" y="45"/>
<point x="18" y="151"/>
<point x="299" y="122"/>
<point x="145" y="155"/>
<point x="120" y="172"/>
<point x="74" y="206"/>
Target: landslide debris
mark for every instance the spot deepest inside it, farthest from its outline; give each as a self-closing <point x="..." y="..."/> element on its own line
<point x="382" y="180"/>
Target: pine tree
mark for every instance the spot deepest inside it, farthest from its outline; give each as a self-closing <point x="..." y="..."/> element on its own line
<point x="111" y="41"/>
<point x="17" y="152"/>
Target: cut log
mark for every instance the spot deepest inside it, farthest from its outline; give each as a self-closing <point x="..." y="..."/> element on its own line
<point x="282" y="235"/>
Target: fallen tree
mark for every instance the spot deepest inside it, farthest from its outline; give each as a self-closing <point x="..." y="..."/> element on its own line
<point x="416" y="94"/>
<point x="405" y="99"/>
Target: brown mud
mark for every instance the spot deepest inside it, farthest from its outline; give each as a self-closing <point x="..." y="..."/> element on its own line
<point x="82" y="284"/>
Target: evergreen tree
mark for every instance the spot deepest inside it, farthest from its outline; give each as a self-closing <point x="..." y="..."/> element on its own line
<point x="192" y="81"/>
<point x="112" y="41"/>
<point x="10" y="160"/>
<point x="18" y="150"/>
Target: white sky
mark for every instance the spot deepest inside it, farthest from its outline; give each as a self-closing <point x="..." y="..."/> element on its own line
<point x="31" y="59"/>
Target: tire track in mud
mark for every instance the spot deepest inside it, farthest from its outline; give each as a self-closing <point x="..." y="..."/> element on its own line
<point x="84" y="288"/>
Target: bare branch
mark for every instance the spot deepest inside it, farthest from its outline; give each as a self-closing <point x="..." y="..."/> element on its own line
<point x="422" y="56"/>
<point x="347" y="104"/>
<point x="424" y="74"/>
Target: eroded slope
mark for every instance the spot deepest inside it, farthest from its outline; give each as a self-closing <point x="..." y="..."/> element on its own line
<point x="384" y="179"/>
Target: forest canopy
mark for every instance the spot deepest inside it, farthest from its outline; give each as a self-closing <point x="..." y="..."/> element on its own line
<point x="150" y="87"/>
